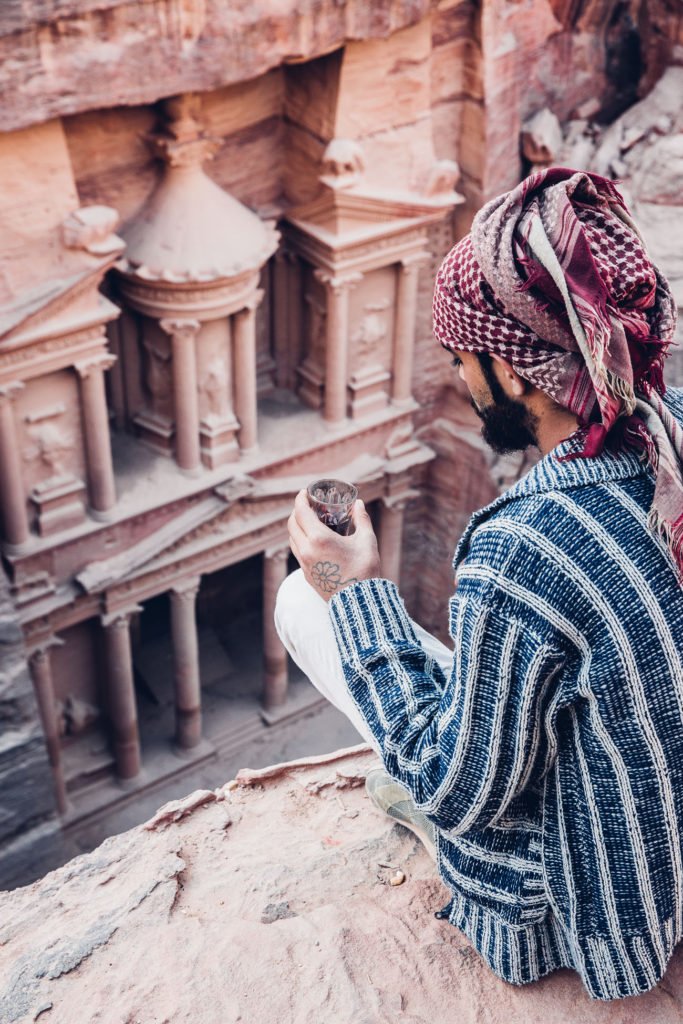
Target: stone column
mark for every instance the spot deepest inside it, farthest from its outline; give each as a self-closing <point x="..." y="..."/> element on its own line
<point x="121" y="692"/>
<point x="186" y="663"/>
<point x="294" y="285"/>
<point x="404" y="331"/>
<point x="274" y="654"/>
<point x="95" y="418"/>
<point x="12" y="499"/>
<point x="336" y="345"/>
<point x="183" y="334"/>
<point x="281" y="301"/>
<point x="41" y="674"/>
<point x="244" y="348"/>
<point x="390" y="537"/>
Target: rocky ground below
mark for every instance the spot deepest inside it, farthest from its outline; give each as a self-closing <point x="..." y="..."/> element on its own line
<point x="267" y="900"/>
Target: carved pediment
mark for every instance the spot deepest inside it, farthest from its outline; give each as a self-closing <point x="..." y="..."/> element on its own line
<point x="56" y="305"/>
<point x="215" y="515"/>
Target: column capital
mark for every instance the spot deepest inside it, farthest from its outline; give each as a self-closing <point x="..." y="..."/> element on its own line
<point x="253" y="302"/>
<point x="411" y="264"/>
<point x="337" y="283"/>
<point x="187" y="588"/>
<point x="10" y="390"/>
<point x="38" y="650"/>
<point x="398" y="502"/>
<point x="279" y="553"/>
<point x="284" y="255"/>
<point x="180" y="328"/>
<point x="120" y="619"/>
<point x="100" y="363"/>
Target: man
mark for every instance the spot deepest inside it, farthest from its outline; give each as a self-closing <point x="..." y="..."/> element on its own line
<point x="542" y="759"/>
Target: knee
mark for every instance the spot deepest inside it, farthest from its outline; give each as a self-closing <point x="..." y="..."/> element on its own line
<point x="300" y="612"/>
<point x="287" y="601"/>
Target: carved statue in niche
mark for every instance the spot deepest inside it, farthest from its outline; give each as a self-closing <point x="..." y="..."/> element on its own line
<point x="75" y="716"/>
<point x="50" y="446"/>
<point x="158" y="378"/>
<point x="213" y="387"/>
<point x="370" y="333"/>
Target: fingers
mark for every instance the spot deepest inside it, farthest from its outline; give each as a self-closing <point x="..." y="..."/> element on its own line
<point x="296" y="534"/>
<point x="295" y="550"/>
<point x="305" y="517"/>
<point x="359" y="514"/>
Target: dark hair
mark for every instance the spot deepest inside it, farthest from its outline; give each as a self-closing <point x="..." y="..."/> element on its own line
<point x="486" y="362"/>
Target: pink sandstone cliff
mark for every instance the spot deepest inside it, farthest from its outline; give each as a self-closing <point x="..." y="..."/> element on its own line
<point x="269" y="900"/>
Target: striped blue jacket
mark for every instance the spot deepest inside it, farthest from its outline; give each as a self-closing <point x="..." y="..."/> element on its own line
<point x="551" y="760"/>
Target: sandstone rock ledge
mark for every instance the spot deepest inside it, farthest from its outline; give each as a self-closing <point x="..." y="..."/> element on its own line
<point x="268" y="902"/>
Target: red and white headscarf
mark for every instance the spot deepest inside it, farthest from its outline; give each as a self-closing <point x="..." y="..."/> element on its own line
<point x="554" y="277"/>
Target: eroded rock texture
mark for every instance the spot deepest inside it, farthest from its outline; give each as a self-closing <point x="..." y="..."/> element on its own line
<point x="643" y="149"/>
<point x="324" y="118"/>
<point x="268" y="902"/>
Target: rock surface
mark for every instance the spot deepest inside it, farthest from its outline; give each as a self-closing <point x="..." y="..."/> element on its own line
<point x="57" y="59"/>
<point x="269" y="899"/>
<point x="644" y="149"/>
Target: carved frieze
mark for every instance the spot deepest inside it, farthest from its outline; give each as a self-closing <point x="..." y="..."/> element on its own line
<point x="206" y="302"/>
<point x="63" y="350"/>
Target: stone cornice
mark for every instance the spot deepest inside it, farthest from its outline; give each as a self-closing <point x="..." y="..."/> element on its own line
<point x="211" y="45"/>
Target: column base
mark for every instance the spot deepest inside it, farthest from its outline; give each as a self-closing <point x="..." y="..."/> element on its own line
<point x="156" y="431"/>
<point x="102" y="515"/>
<point x="404" y="403"/>
<point x="193" y="473"/>
<point x="199" y="750"/>
<point x="24" y="548"/>
<point x="134" y="782"/>
<point x="59" y="504"/>
<point x="218" y="440"/>
<point x="334" y="426"/>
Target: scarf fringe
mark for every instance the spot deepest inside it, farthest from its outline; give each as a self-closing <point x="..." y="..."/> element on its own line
<point x="621" y="388"/>
<point x="672" y="536"/>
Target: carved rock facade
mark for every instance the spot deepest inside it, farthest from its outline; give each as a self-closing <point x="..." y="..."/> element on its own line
<point x="216" y="285"/>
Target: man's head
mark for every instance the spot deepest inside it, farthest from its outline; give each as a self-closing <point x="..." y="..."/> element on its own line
<point x="500" y="398"/>
<point x="562" y="320"/>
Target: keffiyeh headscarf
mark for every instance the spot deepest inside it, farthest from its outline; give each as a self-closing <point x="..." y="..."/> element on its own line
<point x="554" y="277"/>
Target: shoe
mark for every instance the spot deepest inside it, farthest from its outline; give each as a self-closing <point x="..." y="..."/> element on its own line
<point x="396" y="802"/>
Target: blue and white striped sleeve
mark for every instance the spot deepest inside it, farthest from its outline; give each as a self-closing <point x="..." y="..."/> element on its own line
<point x="464" y="746"/>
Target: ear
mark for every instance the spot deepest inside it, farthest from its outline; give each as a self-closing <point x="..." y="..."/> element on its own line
<point x="508" y="376"/>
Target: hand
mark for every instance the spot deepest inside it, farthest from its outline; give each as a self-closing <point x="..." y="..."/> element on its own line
<point x="329" y="561"/>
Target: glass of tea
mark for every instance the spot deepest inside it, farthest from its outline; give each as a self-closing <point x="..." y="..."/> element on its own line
<point x="332" y="501"/>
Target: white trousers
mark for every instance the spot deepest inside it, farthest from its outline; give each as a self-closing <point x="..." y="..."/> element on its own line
<point x="302" y="619"/>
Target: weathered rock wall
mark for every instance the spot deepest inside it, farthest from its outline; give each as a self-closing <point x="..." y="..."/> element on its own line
<point x="96" y="54"/>
<point x="596" y="55"/>
<point x="269" y="902"/>
<point x="643" y="148"/>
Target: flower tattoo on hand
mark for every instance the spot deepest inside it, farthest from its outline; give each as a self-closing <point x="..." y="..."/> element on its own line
<point x="327" y="577"/>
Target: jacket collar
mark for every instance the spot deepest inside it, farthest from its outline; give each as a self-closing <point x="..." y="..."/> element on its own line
<point x="553" y="474"/>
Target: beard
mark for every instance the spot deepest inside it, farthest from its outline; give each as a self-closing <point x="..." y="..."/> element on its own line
<point x="507" y="426"/>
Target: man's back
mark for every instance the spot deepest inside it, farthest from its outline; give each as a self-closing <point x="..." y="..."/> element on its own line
<point x="546" y="755"/>
<point x="597" y="807"/>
